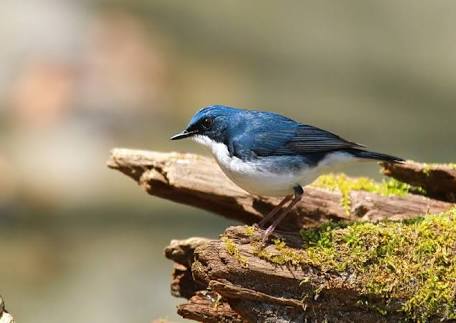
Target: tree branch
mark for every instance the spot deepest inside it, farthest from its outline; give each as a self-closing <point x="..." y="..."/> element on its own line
<point x="438" y="180"/>
<point x="362" y="272"/>
<point x="261" y="291"/>
<point x="198" y="181"/>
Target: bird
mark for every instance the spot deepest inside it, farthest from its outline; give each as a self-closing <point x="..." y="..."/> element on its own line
<point x="268" y="154"/>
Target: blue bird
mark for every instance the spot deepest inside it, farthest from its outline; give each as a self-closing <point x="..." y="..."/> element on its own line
<point x="268" y="154"/>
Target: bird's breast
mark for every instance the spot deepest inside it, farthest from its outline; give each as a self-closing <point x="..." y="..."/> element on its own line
<point x="265" y="176"/>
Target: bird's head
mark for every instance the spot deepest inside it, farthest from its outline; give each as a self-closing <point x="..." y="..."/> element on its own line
<point x="210" y="122"/>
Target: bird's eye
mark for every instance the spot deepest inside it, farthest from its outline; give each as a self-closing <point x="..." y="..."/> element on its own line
<point x="206" y="123"/>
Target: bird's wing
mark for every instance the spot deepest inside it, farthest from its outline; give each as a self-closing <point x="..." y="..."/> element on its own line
<point x="309" y="139"/>
<point x="270" y="134"/>
<point x="298" y="139"/>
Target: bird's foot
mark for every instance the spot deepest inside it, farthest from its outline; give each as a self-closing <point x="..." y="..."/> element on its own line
<point x="266" y="234"/>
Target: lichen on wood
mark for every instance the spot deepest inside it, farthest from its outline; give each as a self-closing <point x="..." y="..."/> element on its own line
<point x="345" y="185"/>
<point x="353" y="250"/>
<point x="393" y="270"/>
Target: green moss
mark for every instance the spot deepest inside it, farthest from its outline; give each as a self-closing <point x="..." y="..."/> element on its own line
<point x="344" y="184"/>
<point x="249" y="231"/>
<point x="412" y="262"/>
<point x="281" y="255"/>
<point x="427" y="168"/>
<point x="233" y="251"/>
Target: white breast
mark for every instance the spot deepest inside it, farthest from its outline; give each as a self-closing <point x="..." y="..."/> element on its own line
<point x="251" y="177"/>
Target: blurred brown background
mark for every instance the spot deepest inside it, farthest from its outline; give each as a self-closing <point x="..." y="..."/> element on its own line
<point x="79" y="242"/>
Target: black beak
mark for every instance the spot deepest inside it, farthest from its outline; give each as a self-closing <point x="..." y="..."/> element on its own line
<point x="183" y="134"/>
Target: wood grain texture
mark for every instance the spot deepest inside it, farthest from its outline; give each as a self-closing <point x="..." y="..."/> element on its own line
<point x="438" y="180"/>
<point x="241" y="286"/>
<point x="198" y="181"/>
<point x="260" y="291"/>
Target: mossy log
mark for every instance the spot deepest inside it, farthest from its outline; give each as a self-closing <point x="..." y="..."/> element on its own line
<point x="198" y="181"/>
<point x="402" y="267"/>
<point x="388" y="272"/>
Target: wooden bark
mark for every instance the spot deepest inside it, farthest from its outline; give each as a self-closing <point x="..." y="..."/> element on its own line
<point x="198" y="181"/>
<point x="265" y="292"/>
<point x="438" y="180"/>
<point x="206" y="306"/>
<point x="239" y="285"/>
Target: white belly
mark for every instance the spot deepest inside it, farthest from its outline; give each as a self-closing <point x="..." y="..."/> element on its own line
<point x="251" y="178"/>
<point x="254" y="179"/>
<point x="265" y="183"/>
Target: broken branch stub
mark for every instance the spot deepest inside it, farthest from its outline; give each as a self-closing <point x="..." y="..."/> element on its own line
<point x="438" y="180"/>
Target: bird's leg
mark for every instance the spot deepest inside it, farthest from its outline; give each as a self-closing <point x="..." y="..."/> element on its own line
<point x="268" y="217"/>
<point x="298" y="192"/>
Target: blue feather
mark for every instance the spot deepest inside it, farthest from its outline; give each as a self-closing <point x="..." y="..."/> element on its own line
<point x="260" y="134"/>
<point x="250" y="134"/>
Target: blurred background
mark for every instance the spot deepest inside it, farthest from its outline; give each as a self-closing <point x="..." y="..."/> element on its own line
<point x="79" y="242"/>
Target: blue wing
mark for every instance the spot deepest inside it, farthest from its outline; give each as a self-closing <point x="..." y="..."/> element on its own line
<point x="309" y="139"/>
<point x="269" y="134"/>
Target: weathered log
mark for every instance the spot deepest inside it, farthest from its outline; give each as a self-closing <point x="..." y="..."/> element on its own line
<point x="206" y="306"/>
<point x="203" y="305"/>
<point x="283" y="282"/>
<point x="362" y="272"/>
<point x="198" y="181"/>
<point x="261" y="291"/>
<point x="438" y="180"/>
<point x="181" y="252"/>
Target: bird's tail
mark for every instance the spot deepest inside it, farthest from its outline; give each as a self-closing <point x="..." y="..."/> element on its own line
<point x="365" y="154"/>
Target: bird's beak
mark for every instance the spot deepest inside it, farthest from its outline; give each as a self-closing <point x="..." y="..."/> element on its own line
<point x="183" y="134"/>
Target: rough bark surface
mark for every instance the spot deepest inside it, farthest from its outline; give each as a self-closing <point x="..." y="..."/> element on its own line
<point x="198" y="181"/>
<point x="207" y="306"/>
<point x="245" y="286"/>
<point x="438" y="180"/>
<point x="232" y="283"/>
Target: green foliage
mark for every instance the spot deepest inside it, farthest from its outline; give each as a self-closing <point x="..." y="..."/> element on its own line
<point x="345" y="184"/>
<point x="412" y="262"/>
